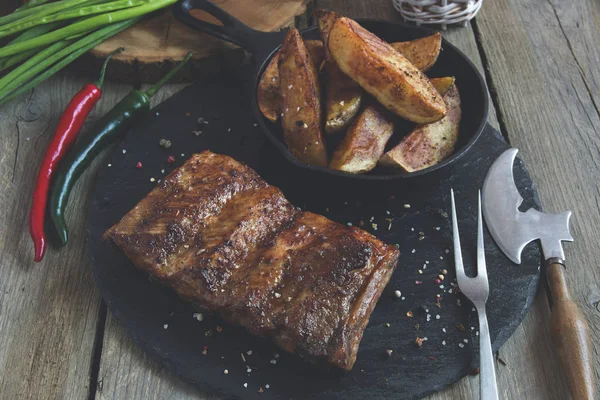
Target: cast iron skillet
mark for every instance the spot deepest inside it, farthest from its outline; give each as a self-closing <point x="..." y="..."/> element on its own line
<point x="263" y="45"/>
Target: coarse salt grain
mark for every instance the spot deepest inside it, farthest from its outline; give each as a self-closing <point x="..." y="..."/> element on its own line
<point x="437" y="316"/>
<point x="198" y="316"/>
<point x="124" y="151"/>
<point x="267" y="386"/>
<point x="165" y="326"/>
<point x="246" y="384"/>
<point x="466" y="340"/>
<point x="290" y="86"/>
<point x="249" y="352"/>
<point x="444" y="330"/>
<point x="443" y="342"/>
<point x="413" y="251"/>
<point x="461" y="345"/>
<point x="225" y="372"/>
<point x="397" y="293"/>
<point x="407" y="205"/>
<point x="349" y="224"/>
<point x="110" y="165"/>
<point x="152" y="180"/>
<point x="278" y="295"/>
<point x="273" y="361"/>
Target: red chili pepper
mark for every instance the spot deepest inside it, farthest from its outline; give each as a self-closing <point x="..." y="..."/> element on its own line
<point x="66" y="132"/>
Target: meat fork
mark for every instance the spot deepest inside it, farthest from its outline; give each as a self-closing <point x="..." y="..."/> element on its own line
<point x="477" y="290"/>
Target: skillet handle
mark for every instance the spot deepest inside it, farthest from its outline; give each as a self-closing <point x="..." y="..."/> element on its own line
<point x="260" y="44"/>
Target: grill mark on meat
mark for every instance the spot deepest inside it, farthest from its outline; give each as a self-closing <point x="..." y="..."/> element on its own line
<point x="235" y="245"/>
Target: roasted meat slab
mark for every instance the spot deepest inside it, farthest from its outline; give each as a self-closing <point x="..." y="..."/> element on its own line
<point x="224" y="239"/>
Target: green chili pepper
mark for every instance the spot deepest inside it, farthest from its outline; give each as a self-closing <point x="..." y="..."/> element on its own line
<point x="128" y="112"/>
<point x="86" y="25"/>
<point x="76" y="12"/>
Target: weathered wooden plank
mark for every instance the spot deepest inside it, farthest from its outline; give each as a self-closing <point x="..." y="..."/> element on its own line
<point x="48" y="312"/>
<point x="543" y="59"/>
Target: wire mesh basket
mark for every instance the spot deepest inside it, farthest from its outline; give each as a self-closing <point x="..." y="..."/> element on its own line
<point x="441" y="12"/>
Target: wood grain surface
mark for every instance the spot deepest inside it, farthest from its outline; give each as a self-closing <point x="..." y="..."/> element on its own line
<point x="541" y="59"/>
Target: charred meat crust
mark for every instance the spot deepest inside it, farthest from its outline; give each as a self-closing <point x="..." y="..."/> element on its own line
<point x="224" y="239"/>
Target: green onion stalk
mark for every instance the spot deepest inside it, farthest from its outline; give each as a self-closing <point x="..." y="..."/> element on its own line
<point x="37" y="12"/>
<point x="8" y="62"/>
<point x="31" y="4"/>
<point x="83" y="26"/>
<point x="26" y="79"/>
<point x="77" y="12"/>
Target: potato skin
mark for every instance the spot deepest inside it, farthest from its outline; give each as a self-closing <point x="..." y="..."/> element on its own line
<point x="428" y="144"/>
<point x="326" y="19"/>
<point x="422" y="52"/>
<point x="268" y="96"/>
<point x="301" y="102"/>
<point x="365" y="141"/>
<point x="384" y="73"/>
<point x="342" y="99"/>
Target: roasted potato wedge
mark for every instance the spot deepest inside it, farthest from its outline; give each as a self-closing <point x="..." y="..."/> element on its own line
<point x="383" y="72"/>
<point x="268" y="95"/>
<point x="316" y="50"/>
<point x="365" y="141"/>
<point x="442" y="85"/>
<point x="301" y="102"/>
<point x="423" y="52"/>
<point x="342" y="99"/>
<point x="428" y="144"/>
<point x="326" y="19"/>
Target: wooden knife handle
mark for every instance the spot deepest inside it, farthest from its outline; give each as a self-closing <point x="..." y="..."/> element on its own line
<point x="571" y="337"/>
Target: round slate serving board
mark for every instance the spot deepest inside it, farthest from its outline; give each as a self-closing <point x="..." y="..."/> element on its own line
<point x="199" y="352"/>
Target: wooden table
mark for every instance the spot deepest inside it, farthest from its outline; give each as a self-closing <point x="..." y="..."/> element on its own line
<point x="541" y="60"/>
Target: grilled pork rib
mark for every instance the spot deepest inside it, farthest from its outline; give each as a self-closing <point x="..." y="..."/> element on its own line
<point x="224" y="239"/>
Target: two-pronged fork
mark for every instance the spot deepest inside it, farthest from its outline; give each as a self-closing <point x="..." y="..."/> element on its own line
<point x="477" y="290"/>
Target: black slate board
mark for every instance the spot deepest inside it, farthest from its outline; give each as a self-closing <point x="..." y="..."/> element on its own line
<point x="144" y="308"/>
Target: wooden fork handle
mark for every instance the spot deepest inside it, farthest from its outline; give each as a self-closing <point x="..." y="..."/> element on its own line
<point x="571" y="336"/>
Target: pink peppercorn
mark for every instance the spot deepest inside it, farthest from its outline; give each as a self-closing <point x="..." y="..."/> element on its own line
<point x="171" y="159"/>
<point x="139" y="165"/>
<point x="437" y="281"/>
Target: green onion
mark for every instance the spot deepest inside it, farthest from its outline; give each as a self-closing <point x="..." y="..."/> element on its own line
<point x="86" y="25"/>
<point x="8" y="62"/>
<point x="81" y="47"/>
<point x="38" y="12"/>
<point x="34" y="65"/>
<point x="31" y="4"/>
<point x="33" y="21"/>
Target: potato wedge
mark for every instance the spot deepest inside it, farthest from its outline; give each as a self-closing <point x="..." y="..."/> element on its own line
<point x="342" y="99"/>
<point x="422" y="52"/>
<point x="316" y="50"/>
<point x="442" y="85"/>
<point x="365" y="141"/>
<point x="428" y="144"/>
<point x="301" y="102"/>
<point x="384" y="73"/>
<point x="267" y="94"/>
<point x="326" y="19"/>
